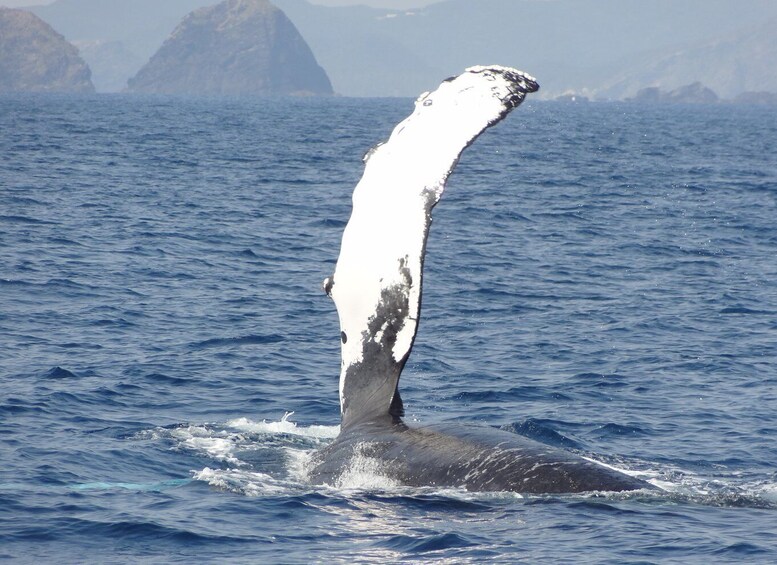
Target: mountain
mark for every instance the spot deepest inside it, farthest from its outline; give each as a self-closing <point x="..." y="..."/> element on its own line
<point x="597" y="48"/>
<point x="740" y="62"/>
<point x="570" y="45"/>
<point x="35" y="58"/>
<point x="116" y="37"/>
<point x="238" y="47"/>
<point x="695" y="93"/>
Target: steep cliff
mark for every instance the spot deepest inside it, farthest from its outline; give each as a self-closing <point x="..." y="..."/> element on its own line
<point x="35" y="58"/>
<point x="238" y="47"/>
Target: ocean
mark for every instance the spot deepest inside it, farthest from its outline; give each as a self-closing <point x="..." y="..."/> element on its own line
<point x="600" y="277"/>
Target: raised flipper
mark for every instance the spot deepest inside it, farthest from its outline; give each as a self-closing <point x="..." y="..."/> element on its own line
<point x="377" y="281"/>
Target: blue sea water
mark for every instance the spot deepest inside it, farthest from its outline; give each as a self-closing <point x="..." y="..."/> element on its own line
<point x="599" y="277"/>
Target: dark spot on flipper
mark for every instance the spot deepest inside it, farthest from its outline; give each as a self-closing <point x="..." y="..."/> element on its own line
<point x="327" y="285"/>
<point x="370" y="152"/>
<point x="377" y="342"/>
<point x="343" y="337"/>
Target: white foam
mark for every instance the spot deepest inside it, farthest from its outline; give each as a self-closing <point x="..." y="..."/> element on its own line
<point x="284" y="426"/>
<point x="217" y="445"/>
<point x="768" y="492"/>
<point x="249" y="483"/>
<point x="225" y="443"/>
<point x="652" y="477"/>
<point x="365" y="473"/>
<point x="461" y="493"/>
<point x="297" y="463"/>
<point x="679" y="482"/>
<point x="663" y="485"/>
<point x="612" y="467"/>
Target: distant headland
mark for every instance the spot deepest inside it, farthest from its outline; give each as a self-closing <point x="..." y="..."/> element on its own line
<point x="235" y="48"/>
<point x="35" y="58"/>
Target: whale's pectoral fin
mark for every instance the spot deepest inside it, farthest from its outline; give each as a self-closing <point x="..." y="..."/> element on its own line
<point x="377" y="282"/>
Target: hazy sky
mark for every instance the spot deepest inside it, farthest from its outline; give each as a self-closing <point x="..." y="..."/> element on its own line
<point x="17" y="3"/>
<point x="397" y="4"/>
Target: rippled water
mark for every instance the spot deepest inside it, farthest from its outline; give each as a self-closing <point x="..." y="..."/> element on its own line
<point x="602" y="278"/>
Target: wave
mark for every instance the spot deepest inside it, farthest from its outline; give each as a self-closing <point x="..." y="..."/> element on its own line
<point x="239" y="340"/>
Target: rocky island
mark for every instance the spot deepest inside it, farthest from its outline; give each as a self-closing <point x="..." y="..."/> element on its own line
<point x="236" y="48"/>
<point x="35" y="58"/>
<point x="695" y="93"/>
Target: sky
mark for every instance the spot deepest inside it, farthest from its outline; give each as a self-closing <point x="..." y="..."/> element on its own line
<point x="20" y="3"/>
<point x="396" y="4"/>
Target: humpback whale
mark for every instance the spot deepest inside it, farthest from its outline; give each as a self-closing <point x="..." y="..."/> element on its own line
<point x="376" y="288"/>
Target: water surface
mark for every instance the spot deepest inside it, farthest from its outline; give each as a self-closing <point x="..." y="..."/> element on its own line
<point x="599" y="277"/>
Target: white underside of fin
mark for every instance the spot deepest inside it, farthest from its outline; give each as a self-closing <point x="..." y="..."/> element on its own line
<point x="384" y="242"/>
